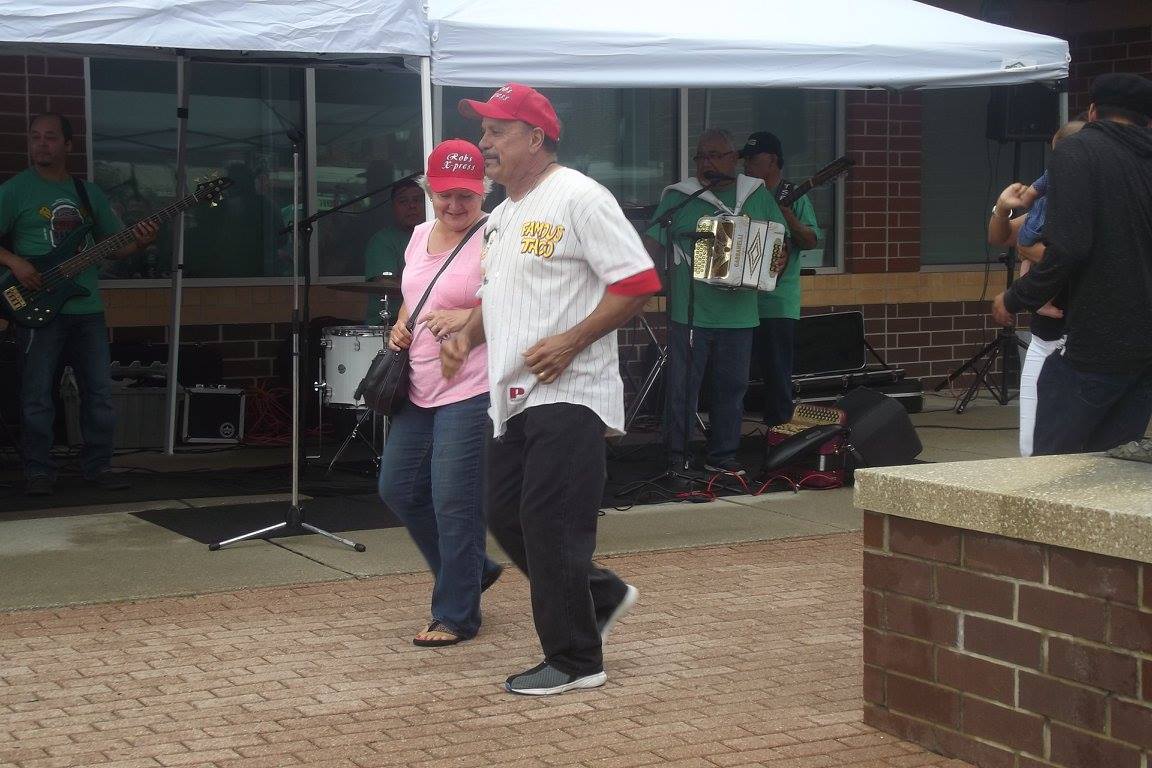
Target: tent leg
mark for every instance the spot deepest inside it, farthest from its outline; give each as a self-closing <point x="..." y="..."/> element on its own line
<point x="177" y="253"/>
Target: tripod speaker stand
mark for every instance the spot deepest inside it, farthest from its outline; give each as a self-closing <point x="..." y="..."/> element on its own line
<point x="1003" y="348"/>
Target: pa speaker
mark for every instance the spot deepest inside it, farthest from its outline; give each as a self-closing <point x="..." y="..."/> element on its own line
<point x="1027" y="112"/>
<point x="879" y="429"/>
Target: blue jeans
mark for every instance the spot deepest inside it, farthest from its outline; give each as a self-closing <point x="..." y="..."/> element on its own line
<point x="775" y="341"/>
<point x="730" y="352"/>
<point x="82" y="342"/>
<point x="1080" y="411"/>
<point x="431" y="477"/>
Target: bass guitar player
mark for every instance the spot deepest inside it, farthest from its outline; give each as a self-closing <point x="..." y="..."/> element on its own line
<point x="39" y="208"/>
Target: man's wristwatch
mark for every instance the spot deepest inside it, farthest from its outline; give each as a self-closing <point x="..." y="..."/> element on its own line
<point x="996" y="213"/>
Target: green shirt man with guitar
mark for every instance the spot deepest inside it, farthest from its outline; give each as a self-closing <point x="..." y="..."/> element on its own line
<point x="46" y="217"/>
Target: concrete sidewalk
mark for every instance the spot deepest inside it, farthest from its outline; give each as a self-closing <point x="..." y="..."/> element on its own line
<point x="68" y="556"/>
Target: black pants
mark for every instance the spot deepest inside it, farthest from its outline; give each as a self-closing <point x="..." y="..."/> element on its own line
<point x="774" y="341"/>
<point x="545" y="486"/>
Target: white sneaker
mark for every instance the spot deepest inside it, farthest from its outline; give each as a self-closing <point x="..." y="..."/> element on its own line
<point x="631" y="595"/>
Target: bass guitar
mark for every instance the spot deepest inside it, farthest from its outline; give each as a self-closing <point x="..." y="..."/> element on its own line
<point x="790" y="193"/>
<point x="36" y="308"/>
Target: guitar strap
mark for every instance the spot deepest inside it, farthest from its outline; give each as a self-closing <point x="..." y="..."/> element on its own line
<point x="82" y="193"/>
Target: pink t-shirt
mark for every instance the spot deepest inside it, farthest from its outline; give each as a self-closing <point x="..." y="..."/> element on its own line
<point x="456" y="289"/>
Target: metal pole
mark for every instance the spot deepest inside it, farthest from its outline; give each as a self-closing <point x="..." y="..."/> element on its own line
<point x="426" y="127"/>
<point x="296" y="326"/>
<point x="177" y="253"/>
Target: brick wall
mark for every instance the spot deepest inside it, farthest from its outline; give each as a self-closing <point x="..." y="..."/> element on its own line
<point x="882" y="198"/>
<point x="30" y="85"/>
<point x="1006" y="653"/>
<point x="1098" y="53"/>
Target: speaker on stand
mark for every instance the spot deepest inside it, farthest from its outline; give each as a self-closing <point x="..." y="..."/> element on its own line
<point x="1026" y="112"/>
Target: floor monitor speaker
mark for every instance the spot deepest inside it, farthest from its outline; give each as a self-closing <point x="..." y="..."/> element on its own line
<point x="880" y="429"/>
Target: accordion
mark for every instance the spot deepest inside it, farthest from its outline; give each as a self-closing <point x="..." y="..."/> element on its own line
<point x="821" y="465"/>
<point x="741" y="252"/>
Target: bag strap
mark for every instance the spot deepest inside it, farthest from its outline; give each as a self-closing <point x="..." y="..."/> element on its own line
<point x="468" y="236"/>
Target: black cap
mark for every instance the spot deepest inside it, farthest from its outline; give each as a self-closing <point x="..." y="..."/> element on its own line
<point x="763" y="141"/>
<point x="1123" y="90"/>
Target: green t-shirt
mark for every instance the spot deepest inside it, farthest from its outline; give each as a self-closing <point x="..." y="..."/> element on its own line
<point x="39" y="214"/>
<point x="785" y="300"/>
<point x="714" y="307"/>
<point x="384" y="253"/>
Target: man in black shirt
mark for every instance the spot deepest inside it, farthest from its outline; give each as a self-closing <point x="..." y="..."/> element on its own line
<point x="1096" y="393"/>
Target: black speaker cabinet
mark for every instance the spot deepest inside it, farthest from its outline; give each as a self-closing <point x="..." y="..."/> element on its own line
<point x="213" y="415"/>
<point x="1027" y="112"/>
<point x="880" y="429"/>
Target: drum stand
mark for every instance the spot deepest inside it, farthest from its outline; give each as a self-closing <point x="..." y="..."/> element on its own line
<point x="356" y="434"/>
<point x="654" y="374"/>
<point x="294" y="521"/>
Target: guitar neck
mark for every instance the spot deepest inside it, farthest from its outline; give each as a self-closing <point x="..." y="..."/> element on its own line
<point x="835" y="168"/>
<point x="111" y="245"/>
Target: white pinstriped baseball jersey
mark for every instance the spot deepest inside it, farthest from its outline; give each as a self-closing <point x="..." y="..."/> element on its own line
<point x="548" y="259"/>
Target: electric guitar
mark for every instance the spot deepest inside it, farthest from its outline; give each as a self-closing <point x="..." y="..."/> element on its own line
<point x="36" y="308"/>
<point x="790" y="193"/>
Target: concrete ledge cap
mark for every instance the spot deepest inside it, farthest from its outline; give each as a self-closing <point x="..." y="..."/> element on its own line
<point x="1085" y="501"/>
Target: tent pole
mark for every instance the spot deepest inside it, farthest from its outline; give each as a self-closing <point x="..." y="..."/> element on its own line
<point x="177" y="252"/>
<point x="682" y="136"/>
<point x="426" y="119"/>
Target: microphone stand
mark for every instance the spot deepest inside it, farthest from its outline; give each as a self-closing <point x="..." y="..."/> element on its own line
<point x="294" y="521"/>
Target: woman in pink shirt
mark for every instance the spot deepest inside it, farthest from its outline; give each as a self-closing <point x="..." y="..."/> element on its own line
<point x="431" y="471"/>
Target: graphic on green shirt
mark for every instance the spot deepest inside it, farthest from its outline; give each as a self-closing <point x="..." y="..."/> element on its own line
<point x="714" y="307"/>
<point x="38" y="215"/>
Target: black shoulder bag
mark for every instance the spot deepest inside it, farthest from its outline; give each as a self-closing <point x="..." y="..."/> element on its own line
<point x="385" y="386"/>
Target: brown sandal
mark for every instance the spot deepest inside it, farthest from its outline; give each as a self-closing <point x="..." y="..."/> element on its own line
<point x="449" y="637"/>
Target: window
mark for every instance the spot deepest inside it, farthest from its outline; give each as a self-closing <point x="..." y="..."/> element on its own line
<point x="623" y="138"/>
<point x="962" y="172"/>
<point x="367" y="136"/>
<point x="804" y="121"/>
<point x="238" y="118"/>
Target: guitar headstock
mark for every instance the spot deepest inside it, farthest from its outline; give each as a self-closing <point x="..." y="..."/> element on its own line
<point x="211" y="190"/>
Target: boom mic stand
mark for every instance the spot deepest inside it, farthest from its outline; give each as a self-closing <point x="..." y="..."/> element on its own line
<point x="294" y="522"/>
<point x="1003" y="348"/>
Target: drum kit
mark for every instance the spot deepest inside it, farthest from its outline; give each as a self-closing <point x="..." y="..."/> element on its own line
<point x="347" y="354"/>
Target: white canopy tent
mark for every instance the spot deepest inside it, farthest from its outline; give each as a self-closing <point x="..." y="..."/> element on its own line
<point x="644" y="43"/>
<point x="731" y="43"/>
<point x="304" y="32"/>
<point x="252" y="30"/>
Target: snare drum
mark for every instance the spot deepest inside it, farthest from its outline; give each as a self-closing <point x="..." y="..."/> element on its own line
<point x="348" y="353"/>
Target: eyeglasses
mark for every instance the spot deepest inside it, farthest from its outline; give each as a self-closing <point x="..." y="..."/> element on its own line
<point x="713" y="156"/>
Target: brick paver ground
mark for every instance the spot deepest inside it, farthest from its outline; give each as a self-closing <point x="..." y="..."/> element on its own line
<point x="741" y="655"/>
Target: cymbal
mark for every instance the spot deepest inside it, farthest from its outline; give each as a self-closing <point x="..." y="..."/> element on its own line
<point x="379" y="286"/>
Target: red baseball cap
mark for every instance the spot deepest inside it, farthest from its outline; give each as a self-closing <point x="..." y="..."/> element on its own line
<point x="516" y="102"/>
<point x="456" y="164"/>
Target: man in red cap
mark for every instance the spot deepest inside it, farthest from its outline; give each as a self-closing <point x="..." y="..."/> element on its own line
<point x="563" y="268"/>
<point x="1096" y="392"/>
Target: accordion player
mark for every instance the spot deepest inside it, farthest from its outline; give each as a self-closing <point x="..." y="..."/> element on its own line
<point x="741" y="253"/>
